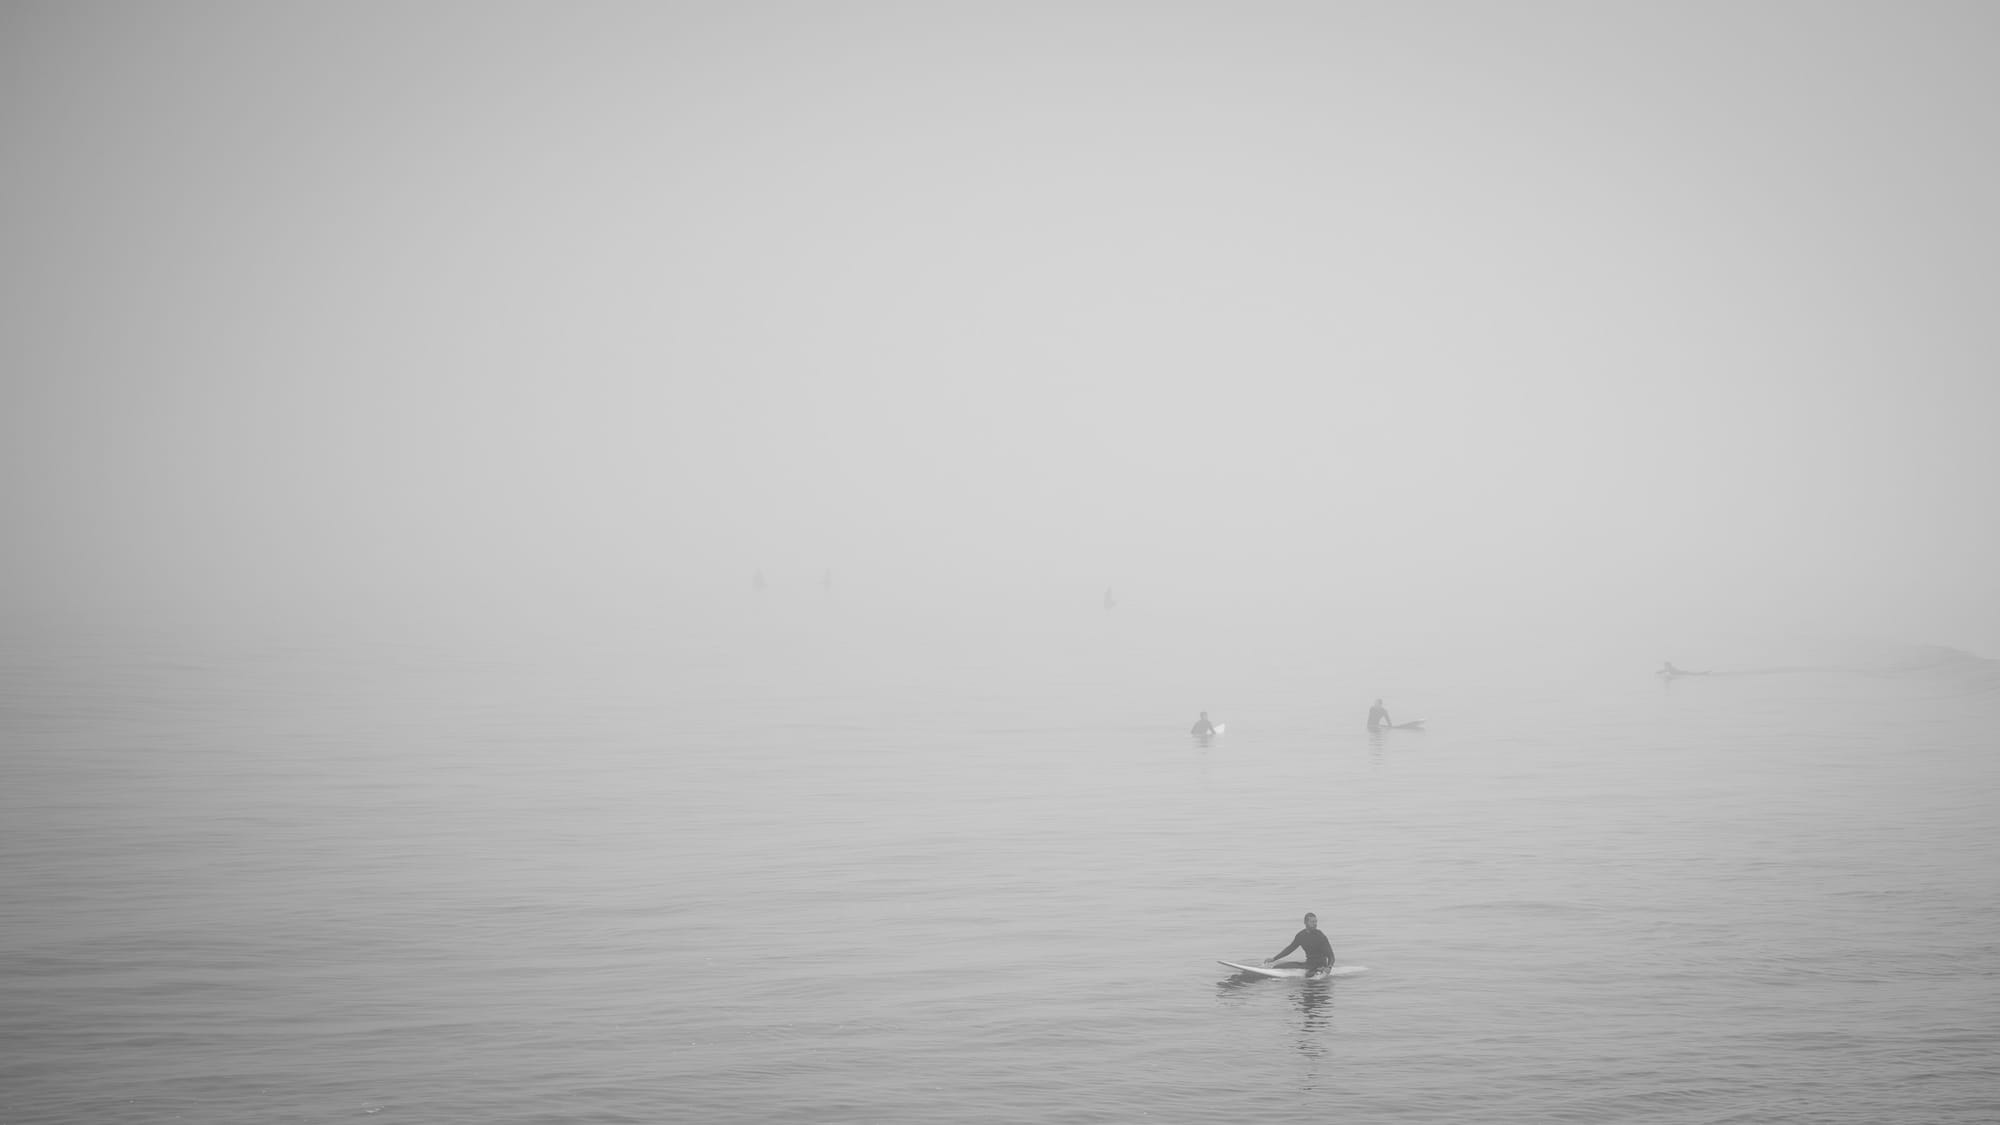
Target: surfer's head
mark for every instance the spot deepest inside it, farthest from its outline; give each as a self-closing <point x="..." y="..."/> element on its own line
<point x="1312" y="921"/>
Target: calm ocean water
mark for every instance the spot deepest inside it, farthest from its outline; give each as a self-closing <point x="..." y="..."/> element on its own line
<point x="824" y="872"/>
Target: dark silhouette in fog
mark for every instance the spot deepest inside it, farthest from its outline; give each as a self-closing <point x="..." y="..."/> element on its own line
<point x="1378" y="716"/>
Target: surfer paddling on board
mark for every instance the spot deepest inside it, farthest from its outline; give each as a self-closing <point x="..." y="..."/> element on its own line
<point x="1378" y="717"/>
<point x="1668" y="670"/>
<point x="1202" y="727"/>
<point x="1318" y="950"/>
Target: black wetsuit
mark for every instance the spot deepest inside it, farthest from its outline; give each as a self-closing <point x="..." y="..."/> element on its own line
<point x="1319" y="951"/>
<point x="1378" y="718"/>
<point x="1203" y="727"/>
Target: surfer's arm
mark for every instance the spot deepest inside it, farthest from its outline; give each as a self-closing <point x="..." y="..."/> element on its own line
<point x="1280" y="954"/>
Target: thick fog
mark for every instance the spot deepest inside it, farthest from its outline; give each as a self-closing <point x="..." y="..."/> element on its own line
<point x="1505" y="314"/>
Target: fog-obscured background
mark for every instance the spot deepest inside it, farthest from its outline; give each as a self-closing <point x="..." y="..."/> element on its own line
<point x="1482" y="314"/>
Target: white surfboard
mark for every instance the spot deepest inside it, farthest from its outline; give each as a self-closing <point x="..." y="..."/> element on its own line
<point x="1295" y="970"/>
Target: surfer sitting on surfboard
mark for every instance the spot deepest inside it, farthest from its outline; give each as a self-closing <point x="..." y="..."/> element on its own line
<point x="1378" y="717"/>
<point x="1319" y="951"/>
<point x="1202" y="727"/>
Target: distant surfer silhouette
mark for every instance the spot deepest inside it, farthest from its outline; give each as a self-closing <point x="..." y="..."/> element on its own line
<point x="1318" y="950"/>
<point x="1668" y="670"/>
<point x="1202" y="727"/>
<point x="757" y="581"/>
<point x="1378" y="717"/>
<point x="1109" y="601"/>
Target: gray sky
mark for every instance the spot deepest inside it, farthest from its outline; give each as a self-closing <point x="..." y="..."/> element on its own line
<point x="1405" y="308"/>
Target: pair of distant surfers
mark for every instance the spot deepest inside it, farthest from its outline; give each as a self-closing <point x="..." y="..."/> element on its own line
<point x="1378" y="718"/>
